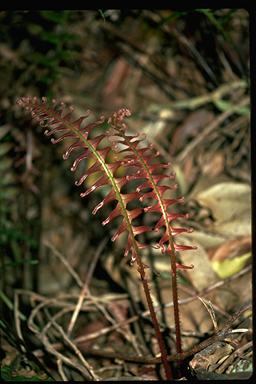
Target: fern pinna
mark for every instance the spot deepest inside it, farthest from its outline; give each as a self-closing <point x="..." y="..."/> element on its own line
<point x="140" y="163"/>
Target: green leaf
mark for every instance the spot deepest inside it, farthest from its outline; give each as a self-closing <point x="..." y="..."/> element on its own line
<point x="9" y="304"/>
<point x="58" y="17"/>
<point x="4" y="130"/>
<point x="173" y="16"/>
<point x="44" y="60"/>
<point x="17" y="234"/>
<point x="35" y="29"/>
<point x="8" y="375"/>
<point x="5" y="164"/>
<point x="19" y="262"/>
<point x="223" y="106"/>
<point x="4" y="148"/>
<point x="50" y="37"/>
<point x="210" y="15"/>
<point x="102" y="14"/>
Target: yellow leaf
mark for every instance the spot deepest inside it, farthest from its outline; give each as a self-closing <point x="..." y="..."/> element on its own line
<point x="228" y="267"/>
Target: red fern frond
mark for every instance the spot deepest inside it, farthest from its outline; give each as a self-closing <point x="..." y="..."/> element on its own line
<point x="149" y="168"/>
<point x="150" y="172"/>
<point x="61" y="124"/>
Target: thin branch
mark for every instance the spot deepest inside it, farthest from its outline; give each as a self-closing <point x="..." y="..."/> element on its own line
<point x="84" y="290"/>
<point x="17" y="319"/>
<point x="61" y="370"/>
<point x="76" y="350"/>
<point x="65" y="262"/>
<point x="199" y="101"/>
<point x="85" y="367"/>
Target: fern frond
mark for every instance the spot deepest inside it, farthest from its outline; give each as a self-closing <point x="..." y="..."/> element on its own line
<point x="60" y="123"/>
<point x="150" y="168"/>
<point x="146" y="159"/>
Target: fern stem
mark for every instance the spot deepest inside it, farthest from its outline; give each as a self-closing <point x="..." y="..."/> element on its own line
<point x="159" y="336"/>
<point x="175" y="298"/>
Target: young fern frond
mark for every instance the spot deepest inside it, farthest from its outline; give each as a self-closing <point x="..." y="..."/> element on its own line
<point x="148" y="161"/>
<point x="60" y="123"/>
<point x="144" y="157"/>
<point x="64" y="127"/>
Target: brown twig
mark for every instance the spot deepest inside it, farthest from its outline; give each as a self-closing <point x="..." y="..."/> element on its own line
<point x="65" y="359"/>
<point x="85" y="367"/>
<point x="65" y="262"/>
<point x="85" y="286"/>
<point x="17" y="319"/>
<point x="76" y="350"/>
<point x="61" y="370"/>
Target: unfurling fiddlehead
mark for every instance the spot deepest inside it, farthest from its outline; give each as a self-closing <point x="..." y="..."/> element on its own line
<point x="140" y="163"/>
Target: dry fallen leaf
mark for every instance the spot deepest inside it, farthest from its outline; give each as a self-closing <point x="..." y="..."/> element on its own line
<point x="240" y="226"/>
<point x="215" y="165"/>
<point x="207" y="239"/>
<point x="232" y="248"/>
<point x="230" y="204"/>
<point x="227" y="200"/>
<point x="202" y="275"/>
<point x="191" y="126"/>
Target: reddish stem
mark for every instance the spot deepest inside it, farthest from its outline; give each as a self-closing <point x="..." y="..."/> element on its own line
<point x="159" y="336"/>
<point x="176" y="308"/>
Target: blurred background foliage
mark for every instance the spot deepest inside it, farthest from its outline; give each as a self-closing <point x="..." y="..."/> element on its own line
<point x="165" y="66"/>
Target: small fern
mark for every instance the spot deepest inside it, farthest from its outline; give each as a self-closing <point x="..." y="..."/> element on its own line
<point x="140" y="162"/>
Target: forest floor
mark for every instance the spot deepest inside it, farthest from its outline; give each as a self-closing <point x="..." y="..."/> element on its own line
<point x="72" y="308"/>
